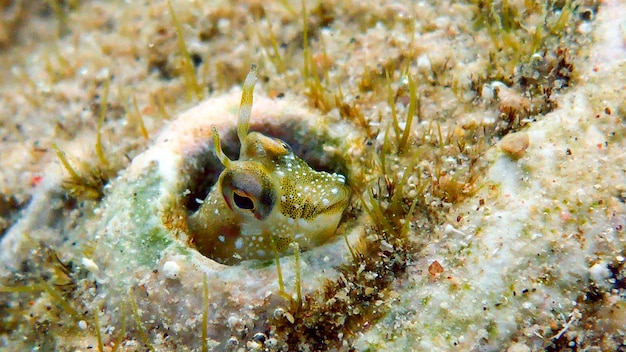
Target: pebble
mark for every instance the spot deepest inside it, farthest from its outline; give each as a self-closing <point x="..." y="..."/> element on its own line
<point x="171" y="269"/>
<point x="515" y="144"/>
<point x="423" y="63"/>
<point x="518" y="347"/>
<point x="599" y="272"/>
<point x="89" y="265"/>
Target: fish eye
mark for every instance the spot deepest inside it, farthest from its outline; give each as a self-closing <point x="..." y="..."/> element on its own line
<point x="246" y="187"/>
<point x="243" y="201"/>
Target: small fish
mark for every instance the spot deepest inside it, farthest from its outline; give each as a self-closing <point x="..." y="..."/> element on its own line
<point x="267" y="199"/>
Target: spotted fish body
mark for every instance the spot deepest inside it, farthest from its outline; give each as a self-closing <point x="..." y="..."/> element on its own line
<point x="266" y="200"/>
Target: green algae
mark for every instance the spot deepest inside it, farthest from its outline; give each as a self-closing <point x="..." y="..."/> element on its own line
<point x="152" y="243"/>
<point x="150" y="237"/>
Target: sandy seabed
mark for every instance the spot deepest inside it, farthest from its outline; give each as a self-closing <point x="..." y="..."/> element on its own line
<point x="517" y="242"/>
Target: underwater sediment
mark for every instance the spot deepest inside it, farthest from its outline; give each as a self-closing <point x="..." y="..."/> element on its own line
<point x="483" y="143"/>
